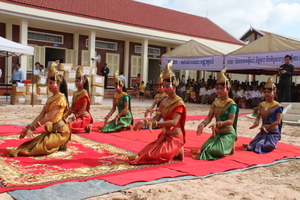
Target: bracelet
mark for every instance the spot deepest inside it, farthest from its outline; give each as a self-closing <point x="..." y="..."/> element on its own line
<point x="39" y="123"/>
<point x="154" y="123"/>
<point x="146" y="122"/>
<point x="31" y="127"/>
<point x="204" y="123"/>
<point x="158" y="112"/>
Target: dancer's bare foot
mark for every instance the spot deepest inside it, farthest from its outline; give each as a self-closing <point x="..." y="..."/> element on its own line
<point x="89" y="128"/>
<point x="180" y="155"/>
<point x="64" y="147"/>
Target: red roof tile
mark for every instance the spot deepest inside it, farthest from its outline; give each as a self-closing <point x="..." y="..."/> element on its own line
<point x="137" y="14"/>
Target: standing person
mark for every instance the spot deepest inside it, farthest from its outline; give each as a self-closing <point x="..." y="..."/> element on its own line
<point x="271" y="113"/>
<point x="53" y="115"/>
<point x="138" y="80"/>
<point x="123" y="79"/>
<point x="17" y="75"/>
<point x="182" y="80"/>
<point x="169" y="144"/>
<point x="286" y="71"/>
<point x="224" y="135"/>
<point x="80" y="117"/>
<point x="105" y="72"/>
<point x="36" y="70"/>
<point x="42" y="70"/>
<point x="142" y="91"/>
<point x="121" y="101"/>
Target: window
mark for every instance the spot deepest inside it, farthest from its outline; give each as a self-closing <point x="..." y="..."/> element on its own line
<point x="45" y="37"/>
<point x="104" y="45"/>
<point x="151" y="50"/>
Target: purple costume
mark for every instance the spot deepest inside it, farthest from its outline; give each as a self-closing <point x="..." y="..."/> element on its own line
<point x="265" y="142"/>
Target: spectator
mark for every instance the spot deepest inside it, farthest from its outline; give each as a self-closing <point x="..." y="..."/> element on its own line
<point x="17" y="75"/>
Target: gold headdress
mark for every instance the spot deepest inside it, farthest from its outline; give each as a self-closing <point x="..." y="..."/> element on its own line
<point x="53" y="73"/>
<point x="159" y="79"/>
<point x="222" y="78"/>
<point x="79" y="72"/>
<point x="270" y="83"/>
<point x="117" y="79"/>
<point x="167" y="73"/>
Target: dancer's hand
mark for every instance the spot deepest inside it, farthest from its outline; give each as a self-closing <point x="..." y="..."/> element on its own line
<point x="200" y="129"/>
<point x="146" y="113"/>
<point x="264" y="128"/>
<point x="106" y="119"/>
<point x="138" y="125"/>
<point x="71" y="118"/>
<point x="26" y="132"/>
<point x="213" y="129"/>
<point x="116" y="119"/>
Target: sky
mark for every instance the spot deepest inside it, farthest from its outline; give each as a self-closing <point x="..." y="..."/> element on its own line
<point x="236" y="16"/>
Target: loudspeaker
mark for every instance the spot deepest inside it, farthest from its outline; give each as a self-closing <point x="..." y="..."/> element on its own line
<point x="97" y="58"/>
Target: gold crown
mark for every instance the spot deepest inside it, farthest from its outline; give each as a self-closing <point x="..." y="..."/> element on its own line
<point x="270" y="83"/>
<point x="79" y="72"/>
<point x="117" y="79"/>
<point x="53" y="73"/>
<point x="222" y="78"/>
<point x="167" y="73"/>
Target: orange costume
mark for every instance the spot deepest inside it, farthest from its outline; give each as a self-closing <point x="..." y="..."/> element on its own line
<point x="169" y="144"/>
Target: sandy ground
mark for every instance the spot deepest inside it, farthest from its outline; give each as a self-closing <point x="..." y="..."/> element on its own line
<point x="279" y="181"/>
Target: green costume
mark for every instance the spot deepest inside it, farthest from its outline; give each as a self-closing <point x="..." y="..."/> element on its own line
<point x="125" y="120"/>
<point x="223" y="143"/>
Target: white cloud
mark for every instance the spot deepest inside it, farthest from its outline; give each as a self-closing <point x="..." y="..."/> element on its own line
<point x="235" y="16"/>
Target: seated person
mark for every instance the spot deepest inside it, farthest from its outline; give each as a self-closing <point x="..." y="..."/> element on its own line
<point x="225" y="110"/>
<point x="123" y="120"/>
<point x="271" y="113"/>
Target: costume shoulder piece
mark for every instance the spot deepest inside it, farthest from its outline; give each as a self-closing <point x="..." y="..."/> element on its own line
<point x="220" y="103"/>
<point x="273" y="104"/>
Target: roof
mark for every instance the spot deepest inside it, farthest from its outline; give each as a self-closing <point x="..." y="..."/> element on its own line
<point x="250" y="31"/>
<point x="192" y="48"/>
<point x="10" y="48"/>
<point x="135" y="14"/>
<point x="270" y="42"/>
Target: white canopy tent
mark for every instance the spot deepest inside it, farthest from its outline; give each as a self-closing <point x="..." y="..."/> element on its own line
<point x="193" y="55"/>
<point x="10" y="48"/>
<point x="265" y="53"/>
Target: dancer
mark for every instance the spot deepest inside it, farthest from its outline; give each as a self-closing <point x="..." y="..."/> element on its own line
<point x="121" y="100"/>
<point x="157" y="99"/>
<point x="271" y="113"/>
<point x="169" y="144"/>
<point x="224" y="135"/>
<point x="53" y="114"/>
<point x="80" y="117"/>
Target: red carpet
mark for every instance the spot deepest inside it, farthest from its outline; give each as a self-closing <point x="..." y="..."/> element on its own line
<point x="103" y="156"/>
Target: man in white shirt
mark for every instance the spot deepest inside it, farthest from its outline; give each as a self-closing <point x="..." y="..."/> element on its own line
<point x="255" y="96"/>
<point x="36" y="70"/>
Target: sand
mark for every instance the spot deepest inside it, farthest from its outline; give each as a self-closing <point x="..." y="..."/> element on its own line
<point x="279" y="181"/>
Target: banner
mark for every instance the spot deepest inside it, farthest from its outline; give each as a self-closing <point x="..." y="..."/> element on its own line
<point x="207" y="63"/>
<point x="262" y="60"/>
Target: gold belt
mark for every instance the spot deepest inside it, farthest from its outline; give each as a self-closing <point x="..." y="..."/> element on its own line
<point x="173" y="131"/>
<point x="224" y="128"/>
<point x="53" y="127"/>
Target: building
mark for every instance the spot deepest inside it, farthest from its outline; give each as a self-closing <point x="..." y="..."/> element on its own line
<point x="130" y="36"/>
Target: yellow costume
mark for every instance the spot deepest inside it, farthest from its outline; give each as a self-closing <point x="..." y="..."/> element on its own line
<point x="57" y="132"/>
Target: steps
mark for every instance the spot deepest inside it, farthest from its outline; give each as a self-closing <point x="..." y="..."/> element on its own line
<point x="291" y="113"/>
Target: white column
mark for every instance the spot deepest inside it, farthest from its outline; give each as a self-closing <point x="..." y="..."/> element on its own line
<point x="144" y="74"/>
<point x="126" y="62"/>
<point x="92" y="42"/>
<point x="23" y="40"/>
<point x="201" y="74"/>
<point x="76" y="45"/>
<point x="168" y="49"/>
<point x="8" y="65"/>
<point x="186" y="75"/>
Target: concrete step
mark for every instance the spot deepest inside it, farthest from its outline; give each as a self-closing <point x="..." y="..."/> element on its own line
<point x="291" y="117"/>
<point x="296" y="106"/>
<point x="293" y="111"/>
